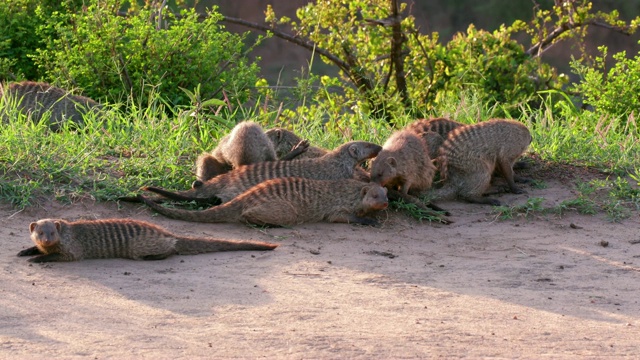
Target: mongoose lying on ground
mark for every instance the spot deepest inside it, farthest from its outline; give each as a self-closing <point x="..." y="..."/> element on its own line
<point x="246" y="144"/>
<point x="290" y="201"/>
<point x="471" y="153"/>
<point x="61" y="240"/>
<point x="35" y="98"/>
<point x="337" y="164"/>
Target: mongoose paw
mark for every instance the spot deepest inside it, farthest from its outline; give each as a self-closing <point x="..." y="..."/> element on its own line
<point x="364" y="221"/>
<point x="522" y="180"/>
<point x="493" y="202"/>
<point x="517" y="190"/>
<point x="520" y="165"/>
<point x="435" y="207"/>
<point x="30" y="251"/>
<point x="303" y="144"/>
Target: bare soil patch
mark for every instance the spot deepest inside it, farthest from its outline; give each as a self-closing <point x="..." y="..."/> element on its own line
<point x="523" y="288"/>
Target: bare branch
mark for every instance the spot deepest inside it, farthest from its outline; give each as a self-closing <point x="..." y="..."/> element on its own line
<point x="309" y="45"/>
<point x="546" y="43"/>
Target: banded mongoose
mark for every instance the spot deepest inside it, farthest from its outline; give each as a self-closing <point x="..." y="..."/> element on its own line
<point x="403" y="164"/>
<point x="34" y="99"/>
<point x="435" y="130"/>
<point x="337" y="164"/>
<point x="246" y="144"/>
<point x="405" y="168"/>
<point x="471" y="153"/>
<point x="61" y="240"/>
<point x="290" y="201"/>
<point x="285" y="140"/>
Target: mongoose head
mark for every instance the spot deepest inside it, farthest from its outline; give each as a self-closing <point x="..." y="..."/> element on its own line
<point x="374" y="197"/>
<point x="360" y="150"/>
<point x="384" y="170"/>
<point x="283" y="140"/>
<point x="45" y="233"/>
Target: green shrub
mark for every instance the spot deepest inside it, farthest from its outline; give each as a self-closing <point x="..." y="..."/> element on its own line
<point x="113" y="56"/>
<point x="613" y="93"/>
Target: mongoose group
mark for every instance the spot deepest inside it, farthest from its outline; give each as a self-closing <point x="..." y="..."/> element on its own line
<point x="275" y="178"/>
<point x="325" y="187"/>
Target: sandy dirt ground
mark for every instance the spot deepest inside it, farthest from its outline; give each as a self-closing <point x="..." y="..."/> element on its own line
<point x="524" y="288"/>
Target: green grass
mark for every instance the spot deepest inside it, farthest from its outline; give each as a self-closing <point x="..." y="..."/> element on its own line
<point x="116" y="154"/>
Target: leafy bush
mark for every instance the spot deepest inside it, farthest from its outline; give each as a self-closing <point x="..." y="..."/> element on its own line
<point x="613" y="93"/>
<point x="115" y="55"/>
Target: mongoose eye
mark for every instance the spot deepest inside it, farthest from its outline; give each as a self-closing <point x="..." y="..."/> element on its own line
<point x="41" y="233"/>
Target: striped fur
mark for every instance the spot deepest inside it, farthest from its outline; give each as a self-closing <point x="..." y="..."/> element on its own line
<point x="289" y="201"/>
<point x="337" y="164"/>
<point x="61" y="240"/>
<point x="441" y="126"/>
<point x="35" y="98"/>
<point x="403" y="164"/>
<point x="245" y="144"/>
<point x="433" y="132"/>
<point x="471" y="153"/>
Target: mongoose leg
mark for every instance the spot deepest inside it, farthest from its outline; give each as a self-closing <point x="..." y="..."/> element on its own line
<point x="300" y="148"/>
<point x="506" y="169"/>
<point x="156" y="257"/>
<point x="30" y="251"/>
<point x="55" y="257"/>
<point x="351" y="219"/>
<point x="520" y="165"/>
<point x="522" y="179"/>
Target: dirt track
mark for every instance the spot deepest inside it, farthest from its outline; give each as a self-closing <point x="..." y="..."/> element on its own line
<point x="478" y="288"/>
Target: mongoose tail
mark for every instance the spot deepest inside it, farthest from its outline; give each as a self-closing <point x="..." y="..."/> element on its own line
<point x="180" y="196"/>
<point x="193" y="246"/>
<point x="212" y="215"/>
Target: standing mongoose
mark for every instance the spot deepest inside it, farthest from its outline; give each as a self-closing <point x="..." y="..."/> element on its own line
<point x="61" y="240"/>
<point x="405" y="168"/>
<point x="435" y="130"/>
<point x="337" y="164"/>
<point x="246" y="144"/>
<point x="471" y="153"/>
<point x="290" y="201"/>
<point x="403" y="164"/>
<point x="34" y="99"/>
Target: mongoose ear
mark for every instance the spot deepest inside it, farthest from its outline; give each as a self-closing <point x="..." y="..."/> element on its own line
<point x="364" y="190"/>
<point x="353" y="151"/>
<point x="31" y="227"/>
<point x="57" y="225"/>
<point x="392" y="161"/>
<point x="279" y="135"/>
